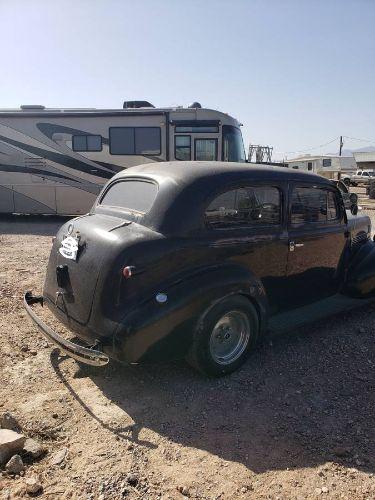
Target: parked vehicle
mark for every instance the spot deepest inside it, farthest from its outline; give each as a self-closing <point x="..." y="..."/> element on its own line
<point x="56" y="161"/>
<point x="360" y="178"/>
<point x="196" y="260"/>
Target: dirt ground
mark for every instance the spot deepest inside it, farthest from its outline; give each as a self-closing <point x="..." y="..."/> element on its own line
<point x="296" y="422"/>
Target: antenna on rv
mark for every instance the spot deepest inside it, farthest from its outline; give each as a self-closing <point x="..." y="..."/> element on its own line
<point x="195" y="105"/>
<point x="137" y="104"/>
<point x="26" y="107"/>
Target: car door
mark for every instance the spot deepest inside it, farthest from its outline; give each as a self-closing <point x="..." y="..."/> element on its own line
<point x="245" y="225"/>
<point x="317" y="237"/>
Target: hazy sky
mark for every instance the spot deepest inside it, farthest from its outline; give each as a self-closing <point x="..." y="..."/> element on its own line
<point x="296" y="73"/>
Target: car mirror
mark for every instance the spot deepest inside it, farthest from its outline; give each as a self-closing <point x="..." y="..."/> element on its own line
<point x="354" y="209"/>
<point x="353" y="197"/>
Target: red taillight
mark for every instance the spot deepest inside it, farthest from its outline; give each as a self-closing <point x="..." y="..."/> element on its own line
<point x="128" y="271"/>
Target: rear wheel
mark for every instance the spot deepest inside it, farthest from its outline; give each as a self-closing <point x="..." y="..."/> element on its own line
<point x="224" y="336"/>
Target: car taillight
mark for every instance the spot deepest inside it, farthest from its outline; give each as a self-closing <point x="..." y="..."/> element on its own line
<point x="128" y="271"/>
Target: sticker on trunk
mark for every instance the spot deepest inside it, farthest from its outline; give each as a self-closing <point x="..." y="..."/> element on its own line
<point x="69" y="247"/>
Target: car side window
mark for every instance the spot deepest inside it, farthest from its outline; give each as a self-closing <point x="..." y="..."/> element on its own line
<point x="313" y="205"/>
<point x="247" y="206"/>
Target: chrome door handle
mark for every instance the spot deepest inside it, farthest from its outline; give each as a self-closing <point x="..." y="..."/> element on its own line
<point x="293" y="245"/>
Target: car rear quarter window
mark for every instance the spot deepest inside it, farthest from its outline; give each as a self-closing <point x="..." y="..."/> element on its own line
<point x="313" y="205"/>
<point x="132" y="195"/>
<point x="247" y="206"/>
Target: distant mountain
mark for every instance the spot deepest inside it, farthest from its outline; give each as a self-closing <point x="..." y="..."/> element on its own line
<point x="349" y="152"/>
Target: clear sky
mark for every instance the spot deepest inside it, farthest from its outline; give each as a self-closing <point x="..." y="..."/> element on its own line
<point x="296" y="73"/>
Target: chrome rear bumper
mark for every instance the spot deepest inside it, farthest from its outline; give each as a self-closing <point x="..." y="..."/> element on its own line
<point x="78" y="352"/>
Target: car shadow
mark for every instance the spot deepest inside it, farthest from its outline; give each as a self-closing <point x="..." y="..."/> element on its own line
<point x="301" y="400"/>
<point x="41" y="225"/>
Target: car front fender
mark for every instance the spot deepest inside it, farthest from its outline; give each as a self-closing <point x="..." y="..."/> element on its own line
<point x="360" y="278"/>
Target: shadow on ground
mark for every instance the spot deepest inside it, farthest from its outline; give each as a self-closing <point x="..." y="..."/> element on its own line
<point x="301" y="400"/>
<point x="43" y="225"/>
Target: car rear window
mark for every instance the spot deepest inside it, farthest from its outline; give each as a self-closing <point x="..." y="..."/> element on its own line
<point x="132" y="195"/>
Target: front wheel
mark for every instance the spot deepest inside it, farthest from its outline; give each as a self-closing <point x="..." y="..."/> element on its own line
<point x="224" y="336"/>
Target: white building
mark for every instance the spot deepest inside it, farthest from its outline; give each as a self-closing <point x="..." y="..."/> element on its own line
<point x="365" y="160"/>
<point x="330" y="166"/>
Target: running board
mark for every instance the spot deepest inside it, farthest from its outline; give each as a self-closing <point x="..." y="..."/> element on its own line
<point x="291" y="320"/>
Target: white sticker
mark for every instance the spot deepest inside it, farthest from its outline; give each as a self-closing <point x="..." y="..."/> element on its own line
<point x="69" y="248"/>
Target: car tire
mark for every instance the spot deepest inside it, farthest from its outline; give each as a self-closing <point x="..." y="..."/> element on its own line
<point x="224" y="336"/>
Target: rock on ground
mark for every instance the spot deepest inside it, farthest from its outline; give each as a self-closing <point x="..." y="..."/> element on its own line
<point x="33" y="485"/>
<point x="8" y="421"/>
<point x="33" y="448"/>
<point x="10" y="443"/>
<point x="15" y="465"/>
<point x="59" y="457"/>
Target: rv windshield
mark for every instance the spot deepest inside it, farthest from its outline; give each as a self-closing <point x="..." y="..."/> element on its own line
<point x="233" y="149"/>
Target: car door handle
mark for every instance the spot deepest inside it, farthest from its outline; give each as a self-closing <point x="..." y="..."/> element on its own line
<point x="293" y="245"/>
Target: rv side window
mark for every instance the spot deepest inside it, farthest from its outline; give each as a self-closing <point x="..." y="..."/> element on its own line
<point x="205" y="149"/>
<point x="87" y="142"/>
<point x="134" y="141"/>
<point x="182" y="147"/>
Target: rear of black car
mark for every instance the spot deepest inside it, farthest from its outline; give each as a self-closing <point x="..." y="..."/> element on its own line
<point x="100" y="263"/>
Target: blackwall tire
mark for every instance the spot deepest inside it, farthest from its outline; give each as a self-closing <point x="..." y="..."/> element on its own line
<point x="224" y="336"/>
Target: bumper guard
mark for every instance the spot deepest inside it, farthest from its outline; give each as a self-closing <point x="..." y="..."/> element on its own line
<point x="78" y="352"/>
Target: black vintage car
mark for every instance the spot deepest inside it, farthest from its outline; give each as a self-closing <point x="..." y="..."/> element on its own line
<point x="198" y="259"/>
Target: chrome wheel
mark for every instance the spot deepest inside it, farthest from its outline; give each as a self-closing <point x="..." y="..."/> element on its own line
<point x="230" y="337"/>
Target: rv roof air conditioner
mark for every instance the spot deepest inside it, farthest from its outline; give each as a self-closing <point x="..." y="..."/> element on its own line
<point x="137" y="104"/>
<point x="32" y="107"/>
<point x="195" y="104"/>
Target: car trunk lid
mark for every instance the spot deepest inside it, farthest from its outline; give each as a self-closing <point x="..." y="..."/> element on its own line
<point x="73" y="272"/>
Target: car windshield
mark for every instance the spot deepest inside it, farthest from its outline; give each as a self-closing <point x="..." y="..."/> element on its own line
<point x="131" y="195"/>
<point x="233" y="149"/>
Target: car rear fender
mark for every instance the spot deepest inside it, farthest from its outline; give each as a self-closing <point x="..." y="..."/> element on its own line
<point x="163" y="325"/>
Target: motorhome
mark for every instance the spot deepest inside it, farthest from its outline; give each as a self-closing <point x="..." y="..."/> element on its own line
<point x="55" y="161"/>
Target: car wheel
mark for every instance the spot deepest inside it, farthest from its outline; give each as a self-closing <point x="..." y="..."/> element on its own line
<point x="224" y="336"/>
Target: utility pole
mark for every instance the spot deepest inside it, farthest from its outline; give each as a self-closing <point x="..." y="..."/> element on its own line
<point x="341" y="144"/>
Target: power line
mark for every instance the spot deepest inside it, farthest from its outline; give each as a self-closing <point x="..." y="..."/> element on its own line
<point x="309" y="149"/>
<point x="362" y="140"/>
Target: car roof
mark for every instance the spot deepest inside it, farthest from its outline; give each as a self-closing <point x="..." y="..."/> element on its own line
<point x="185" y="188"/>
<point x="191" y="171"/>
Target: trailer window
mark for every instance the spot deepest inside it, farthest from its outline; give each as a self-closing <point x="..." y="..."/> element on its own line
<point x="87" y="142"/>
<point x="233" y="149"/>
<point x="134" y="141"/>
<point x="132" y="195"/>
<point x="182" y="147"/>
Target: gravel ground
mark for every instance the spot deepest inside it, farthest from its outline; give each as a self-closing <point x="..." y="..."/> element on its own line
<point x="296" y="422"/>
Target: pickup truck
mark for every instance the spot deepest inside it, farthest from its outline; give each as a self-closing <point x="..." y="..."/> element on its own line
<point x="361" y="177"/>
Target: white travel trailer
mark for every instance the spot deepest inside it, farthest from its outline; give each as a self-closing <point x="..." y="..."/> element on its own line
<point x="55" y="161"/>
